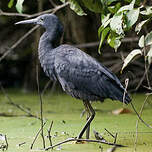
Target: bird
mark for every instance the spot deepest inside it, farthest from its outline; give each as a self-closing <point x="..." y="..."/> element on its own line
<point x="80" y="75"/>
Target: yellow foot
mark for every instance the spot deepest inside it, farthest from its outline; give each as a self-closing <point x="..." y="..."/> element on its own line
<point x="80" y="142"/>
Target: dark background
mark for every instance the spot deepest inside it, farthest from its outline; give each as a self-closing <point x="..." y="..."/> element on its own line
<point x="18" y="69"/>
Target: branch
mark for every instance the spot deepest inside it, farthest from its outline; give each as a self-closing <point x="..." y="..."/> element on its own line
<point x="16" y="105"/>
<point x="140" y="117"/>
<point x="53" y="10"/>
<point x="52" y="3"/>
<point x="49" y="133"/>
<point x="18" y="42"/>
<point x="13" y="14"/>
<point x="41" y="106"/>
<point x="94" y="44"/>
<point x="30" y="31"/>
<point x="137" y="122"/>
<point x="37" y="136"/>
<point x="87" y="140"/>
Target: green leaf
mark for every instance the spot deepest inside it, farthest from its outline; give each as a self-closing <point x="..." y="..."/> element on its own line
<point x="105" y="21"/>
<point x="100" y="29"/>
<point x="127" y="7"/>
<point x="74" y="5"/>
<point x="114" y="41"/>
<point x="104" y="18"/>
<point x="148" y="11"/>
<point x="139" y="26"/>
<point x="10" y="4"/>
<point x="132" y="17"/>
<point x="149" y="56"/>
<point x="104" y="34"/>
<point x="19" y="5"/>
<point x="130" y="57"/>
<point x="141" y="42"/>
<point x="115" y="8"/>
<point x="116" y="23"/>
<point x="148" y="39"/>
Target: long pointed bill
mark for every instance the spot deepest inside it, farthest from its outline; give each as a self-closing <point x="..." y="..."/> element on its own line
<point x="31" y="21"/>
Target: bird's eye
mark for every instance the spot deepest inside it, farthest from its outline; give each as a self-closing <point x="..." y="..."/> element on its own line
<point x="41" y="19"/>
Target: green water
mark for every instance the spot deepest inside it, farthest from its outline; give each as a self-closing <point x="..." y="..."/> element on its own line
<point x="65" y="112"/>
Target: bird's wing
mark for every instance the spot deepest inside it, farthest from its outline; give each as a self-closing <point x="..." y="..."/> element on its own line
<point x="79" y="71"/>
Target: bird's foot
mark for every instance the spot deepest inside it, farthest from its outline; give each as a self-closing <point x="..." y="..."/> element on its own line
<point x="80" y="141"/>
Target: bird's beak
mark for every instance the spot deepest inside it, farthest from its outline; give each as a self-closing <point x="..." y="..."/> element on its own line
<point x="31" y="21"/>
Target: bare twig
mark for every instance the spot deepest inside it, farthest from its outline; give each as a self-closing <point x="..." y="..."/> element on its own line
<point x="49" y="133"/>
<point x="6" y="142"/>
<point x="45" y="87"/>
<point x="52" y="3"/>
<point x="116" y="135"/>
<point x="53" y="87"/>
<point x="16" y="105"/>
<point x="125" y="91"/>
<point x="54" y="10"/>
<point x="18" y="42"/>
<point x="41" y="106"/>
<point x="109" y="133"/>
<point x="30" y="31"/>
<point x="87" y="140"/>
<point x="95" y="44"/>
<point x="142" y="79"/>
<point x="21" y="144"/>
<point x="140" y="117"/>
<point x="37" y="135"/>
<point x="36" y="14"/>
<point x="13" y="14"/>
<point x="137" y="122"/>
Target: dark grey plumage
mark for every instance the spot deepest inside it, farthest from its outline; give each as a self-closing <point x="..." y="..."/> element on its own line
<point x="80" y="75"/>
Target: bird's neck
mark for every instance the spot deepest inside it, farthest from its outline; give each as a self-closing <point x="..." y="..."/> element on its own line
<point x="47" y="44"/>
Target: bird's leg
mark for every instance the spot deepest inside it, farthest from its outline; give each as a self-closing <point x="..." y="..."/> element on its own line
<point x="88" y="129"/>
<point x="88" y="115"/>
<point x="92" y="112"/>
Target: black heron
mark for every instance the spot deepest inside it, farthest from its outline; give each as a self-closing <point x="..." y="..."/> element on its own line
<point x="80" y="75"/>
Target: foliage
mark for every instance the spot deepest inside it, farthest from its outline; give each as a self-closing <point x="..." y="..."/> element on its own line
<point x="116" y="19"/>
<point x="19" y="5"/>
<point x="130" y="57"/>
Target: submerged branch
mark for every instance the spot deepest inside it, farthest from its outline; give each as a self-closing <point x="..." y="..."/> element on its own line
<point x="137" y="122"/>
<point x="41" y="106"/>
<point x="37" y="136"/>
<point x="87" y="140"/>
<point x="139" y="117"/>
<point x="49" y="133"/>
<point x="17" y="105"/>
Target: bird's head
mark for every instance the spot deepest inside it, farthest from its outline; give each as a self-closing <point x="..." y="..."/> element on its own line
<point x="50" y="22"/>
<point x="46" y="21"/>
